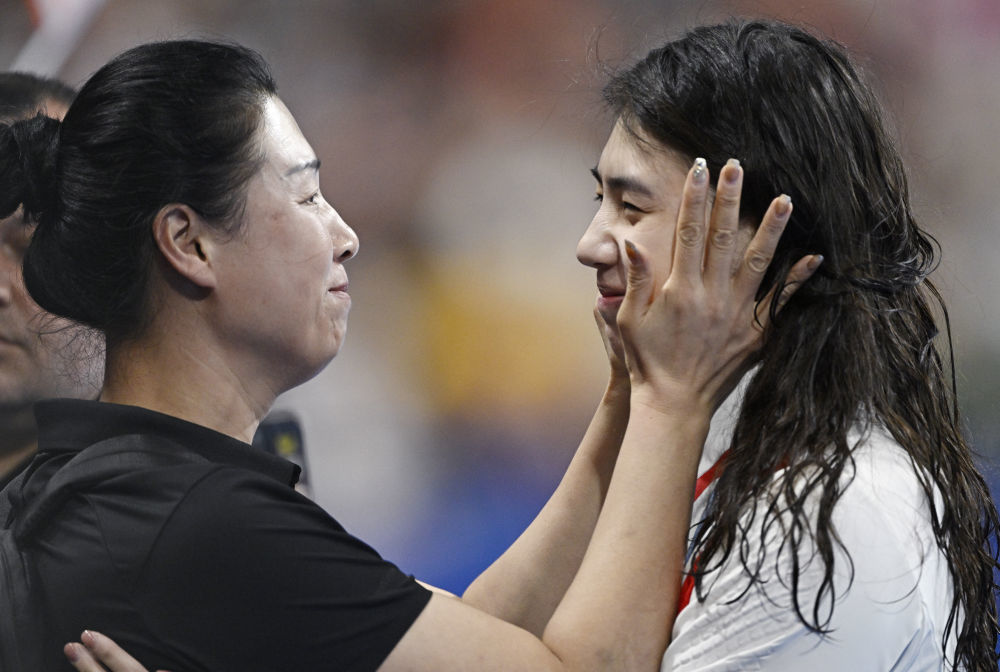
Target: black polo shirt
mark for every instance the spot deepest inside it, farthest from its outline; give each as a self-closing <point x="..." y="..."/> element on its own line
<point x="216" y="565"/>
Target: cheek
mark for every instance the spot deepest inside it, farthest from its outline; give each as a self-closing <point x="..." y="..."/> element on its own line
<point x="658" y="241"/>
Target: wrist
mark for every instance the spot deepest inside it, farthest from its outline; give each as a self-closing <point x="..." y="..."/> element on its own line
<point x="678" y="403"/>
<point x="619" y="387"/>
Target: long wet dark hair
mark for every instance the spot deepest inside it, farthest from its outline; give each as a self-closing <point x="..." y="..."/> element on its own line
<point x="855" y="347"/>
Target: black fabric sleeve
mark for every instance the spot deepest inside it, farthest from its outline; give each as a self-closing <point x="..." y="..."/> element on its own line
<point x="249" y="575"/>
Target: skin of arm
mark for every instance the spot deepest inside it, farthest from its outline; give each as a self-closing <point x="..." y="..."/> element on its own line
<point x="614" y="615"/>
<point x="525" y="585"/>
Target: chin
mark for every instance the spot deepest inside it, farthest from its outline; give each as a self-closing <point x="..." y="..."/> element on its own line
<point x="307" y="367"/>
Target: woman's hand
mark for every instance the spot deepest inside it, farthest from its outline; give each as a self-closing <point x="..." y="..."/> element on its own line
<point x="688" y="342"/>
<point x="619" y="371"/>
<point x="93" y="649"/>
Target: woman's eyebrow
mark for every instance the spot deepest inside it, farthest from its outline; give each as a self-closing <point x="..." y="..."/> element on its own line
<point x="305" y="165"/>
<point x="622" y="183"/>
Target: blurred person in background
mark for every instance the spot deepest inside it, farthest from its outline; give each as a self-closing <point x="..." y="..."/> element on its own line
<point x="180" y="204"/>
<point x="40" y="356"/>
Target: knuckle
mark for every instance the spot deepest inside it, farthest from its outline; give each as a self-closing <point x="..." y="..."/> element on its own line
<point x="772" y="227"/>
<point x="723" y="240"/>
<point x="758" y="261"/>
<point x="786" y="293"/>
<point x="689" y="234"/>
<point x="727" y="199"/>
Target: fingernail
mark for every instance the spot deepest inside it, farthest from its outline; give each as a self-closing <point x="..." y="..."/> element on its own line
<point x="814" y="263"/>
<point x="700" y="170"/>
<point x="88" y="639"/>
<point x="631" y="252"/>
<point x="784" y="205"/>
<point x="733" y="176"/>
<point x="71" y="653"/>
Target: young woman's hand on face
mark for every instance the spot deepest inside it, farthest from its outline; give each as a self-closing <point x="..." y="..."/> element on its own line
<point x="98" y="653"/>
<point x="619" y="371"/>
<point x="688" y="342"/>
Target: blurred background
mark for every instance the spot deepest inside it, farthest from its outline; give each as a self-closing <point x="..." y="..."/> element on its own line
<point x="456" y="138"/>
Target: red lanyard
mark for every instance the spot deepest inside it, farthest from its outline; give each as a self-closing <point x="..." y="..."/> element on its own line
<point x="706" y="479"/>
<point x="687" y="587"/>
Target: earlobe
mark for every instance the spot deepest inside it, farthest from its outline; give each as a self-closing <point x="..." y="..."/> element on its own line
<point x="183" y="239"/>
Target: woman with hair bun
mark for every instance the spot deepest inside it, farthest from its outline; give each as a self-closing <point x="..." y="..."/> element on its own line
<point x="179" y="213"/>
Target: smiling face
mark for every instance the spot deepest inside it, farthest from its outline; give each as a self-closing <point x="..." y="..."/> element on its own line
<point x="281" y="301"/>
<point x="639" y="188"/>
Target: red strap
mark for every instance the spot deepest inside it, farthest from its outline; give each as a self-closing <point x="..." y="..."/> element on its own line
<point x="33" y="13"/>
<point x="705" y="480"/>
<point x="710" y="475"/>
<point x="687" y="586"/>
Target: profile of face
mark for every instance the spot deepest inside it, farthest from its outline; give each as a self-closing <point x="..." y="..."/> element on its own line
<point x="640" y="184"/>
<point x="40" y="356"/>
<point x="282" y="287"/>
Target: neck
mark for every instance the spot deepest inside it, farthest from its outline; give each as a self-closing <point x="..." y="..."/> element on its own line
<point x="20" y="436"/>
<point x="180" y="377"/>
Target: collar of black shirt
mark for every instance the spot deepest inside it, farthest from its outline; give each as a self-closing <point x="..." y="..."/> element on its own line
<point x="74" y="424"/>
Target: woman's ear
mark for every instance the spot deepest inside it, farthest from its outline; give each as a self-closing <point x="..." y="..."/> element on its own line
<point x="186" y="243"/>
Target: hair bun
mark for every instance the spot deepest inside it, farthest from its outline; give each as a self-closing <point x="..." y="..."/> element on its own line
<point x="28" y="151"/>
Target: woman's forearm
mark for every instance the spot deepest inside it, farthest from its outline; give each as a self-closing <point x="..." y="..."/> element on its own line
<point x="526" y="583"/>
<point x="611" y="599"/>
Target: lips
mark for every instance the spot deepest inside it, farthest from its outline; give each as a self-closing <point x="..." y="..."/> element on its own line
<point x="609" y="292"/>
<point x="339" y="284"/>
<point x="609" y="300"/>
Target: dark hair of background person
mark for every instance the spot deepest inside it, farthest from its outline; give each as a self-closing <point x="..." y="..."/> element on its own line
<point x="140" y="134"/>
<point x="857" y="340"/>
<point x="23" y="94"/>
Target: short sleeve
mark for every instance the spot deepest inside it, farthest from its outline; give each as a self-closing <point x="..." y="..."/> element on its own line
<point x="248" y="574"/>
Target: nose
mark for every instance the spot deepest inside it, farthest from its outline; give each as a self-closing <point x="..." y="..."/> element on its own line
<point x="345" y="240"/>
<point x="597" y="247"/>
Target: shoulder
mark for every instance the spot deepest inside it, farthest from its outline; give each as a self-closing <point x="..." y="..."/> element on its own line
<point x="889" y="589"/>
<point x="884" y="514"/>
<point x="233" y="507"/>
<point x="885" y="521"/>
<point x="190" y="556"/>
<point x="250" y="554"/>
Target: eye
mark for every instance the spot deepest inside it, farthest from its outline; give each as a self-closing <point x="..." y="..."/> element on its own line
<point x="599" y="197"/>
<point x="629" y="206"/>
<point x="312" y="200"/>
